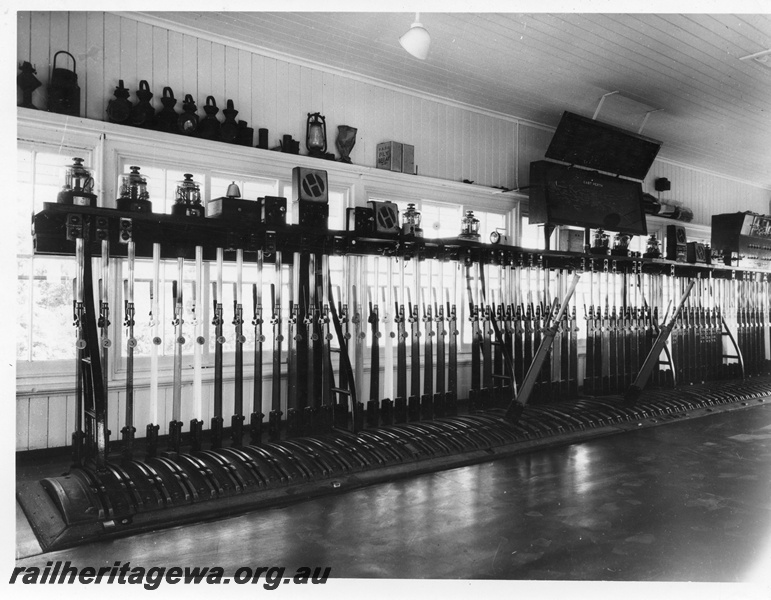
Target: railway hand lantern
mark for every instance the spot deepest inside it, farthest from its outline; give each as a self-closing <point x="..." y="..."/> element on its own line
<point x="316" y="135"/>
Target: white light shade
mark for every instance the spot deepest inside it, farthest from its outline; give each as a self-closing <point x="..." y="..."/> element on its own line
<point x="416" y="41"/>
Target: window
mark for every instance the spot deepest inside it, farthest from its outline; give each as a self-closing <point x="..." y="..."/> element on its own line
<point x="44" y="329"/>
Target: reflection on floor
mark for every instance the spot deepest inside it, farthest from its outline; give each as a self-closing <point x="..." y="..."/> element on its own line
<point x="686" y="501"/>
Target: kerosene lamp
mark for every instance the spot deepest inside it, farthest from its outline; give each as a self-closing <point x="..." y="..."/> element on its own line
<point x="134" y="196"/>
<point x="316" y="135"/>
<point x="621" y="244"/>
<point x="78" y="185"/>
<point x="27" y="83"/>
<point x="188" y="199"/>
<point x="600" y="242"/>
<point x="469" y="226"/>
<point x="411" y="222"/>
<point x="652" y="249"/>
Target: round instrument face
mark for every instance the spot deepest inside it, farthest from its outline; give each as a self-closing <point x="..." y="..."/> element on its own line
<point x="387" y="217"/>
<point x="495" y="237"/>
<point x="314" y="185"/>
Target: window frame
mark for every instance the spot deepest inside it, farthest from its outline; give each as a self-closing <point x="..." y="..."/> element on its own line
<point x="113" y="146"/>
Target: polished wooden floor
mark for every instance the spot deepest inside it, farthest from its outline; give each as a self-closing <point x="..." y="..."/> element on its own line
<point x="685" y="501"/>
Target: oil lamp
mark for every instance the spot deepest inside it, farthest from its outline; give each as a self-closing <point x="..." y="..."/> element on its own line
<point x="119" y="108"/>
<point x="27" y="83"/>
<point x="134" y="196"/>
<point x="652" y="249"/>
<point x="187" y="202"/>
<point x="411" y="222"/>
<point x="167" y="116"/>
<point x="143" y="113"/>
<point x="188" y="122"/>
<point x="621" y="244"/>
<point x="78" y="185"/>
<point x="601" y="242"/>
<point x="316" y="135"/>
<point x="469" y="226"/>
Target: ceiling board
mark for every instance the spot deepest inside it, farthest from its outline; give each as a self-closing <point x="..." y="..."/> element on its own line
<point x="716" y="112"/>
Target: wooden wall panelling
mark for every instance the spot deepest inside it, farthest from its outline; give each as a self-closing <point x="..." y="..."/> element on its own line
<point x="112" y="61"/>
<point x="59" y="34"/>
<point x="24" y="46"/>
<point x="271" y="100"/>
<point x="388" y="119"/>
<point x="317" y="97"/>
<point x="190" y="83"/>
<point x="443" y="141"/>
<point x="94" y="103"/>
<point x="296" y="109"/>
<point x="339" y="108"/>
<point x="467" y="170"/>
<point x="242" y="98"/>
<point x="331" y="116"/>
<point x="259" y="94"/>
<point x="231" y="78"/>
<point x="359" y="120"/>
<point x="76" y="45"/>
<point x="532" y="145"/>
<point x="207" y="80"/>
<point x="174" y="59"/>
<point x="228" y="400"/>
<point x="22" y="423"/>
<point x="23" y="37"/>
<point x="284" y="124"/>
<point x="37" y="436"/>
<point x="145" y="60"/>
<point x="160" y="67"/>
<point x="402" y="118"/>
<point x="56" y="422"/>
<point x="213" y="83"/>
<point x="128" y="55"/>
<point x="39" y="55"/>
<point x="141" y="411"/>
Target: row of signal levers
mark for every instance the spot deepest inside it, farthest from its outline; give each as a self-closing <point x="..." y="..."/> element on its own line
<point x="327" y="320"/>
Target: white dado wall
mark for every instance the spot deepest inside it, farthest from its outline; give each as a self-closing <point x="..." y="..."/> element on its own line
<point x="451" y="141"/>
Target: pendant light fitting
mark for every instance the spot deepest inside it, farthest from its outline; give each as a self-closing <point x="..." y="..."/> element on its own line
<point x="417" y="40"/>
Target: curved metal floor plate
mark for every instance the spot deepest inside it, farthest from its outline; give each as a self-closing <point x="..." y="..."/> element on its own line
<point x="86" y="505"/>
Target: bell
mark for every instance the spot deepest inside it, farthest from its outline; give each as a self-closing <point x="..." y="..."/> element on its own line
<point x="63" y="89"/>
<point x="233" y="191"/>
<point x="78" y="185"/>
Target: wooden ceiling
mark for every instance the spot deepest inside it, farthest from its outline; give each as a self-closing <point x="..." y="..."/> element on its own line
<point x="713" y="110"/>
